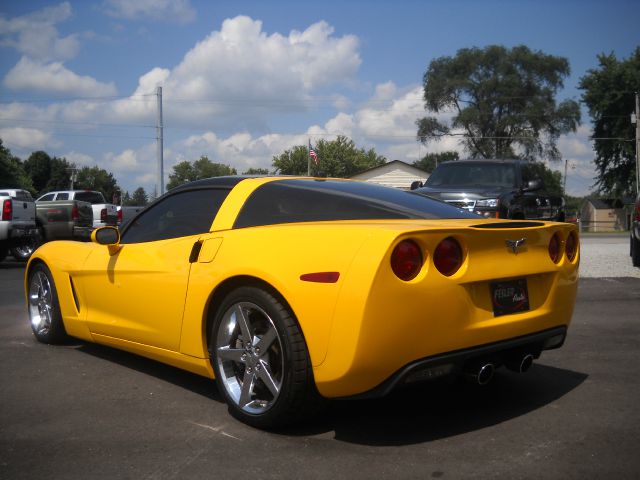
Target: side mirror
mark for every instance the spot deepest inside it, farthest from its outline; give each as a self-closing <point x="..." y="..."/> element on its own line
<point x="533" y="185"/>
<point x="106" y="236"/>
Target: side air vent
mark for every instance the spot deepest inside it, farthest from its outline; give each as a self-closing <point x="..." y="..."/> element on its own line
<point x="75" y="296"/>
<point x="512" y="224"/>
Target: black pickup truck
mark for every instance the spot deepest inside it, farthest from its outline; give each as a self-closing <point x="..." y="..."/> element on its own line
<point x="494" y="188"/>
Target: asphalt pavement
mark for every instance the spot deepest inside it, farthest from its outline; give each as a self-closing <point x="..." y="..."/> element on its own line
<point x="82" y="411"/>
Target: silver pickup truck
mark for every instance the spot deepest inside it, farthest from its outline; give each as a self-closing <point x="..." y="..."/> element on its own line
<point x="18" y="233"/>
<point x="103" y="213"/>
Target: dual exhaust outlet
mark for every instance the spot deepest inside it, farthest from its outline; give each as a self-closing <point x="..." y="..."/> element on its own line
<point x="482" y="372"/>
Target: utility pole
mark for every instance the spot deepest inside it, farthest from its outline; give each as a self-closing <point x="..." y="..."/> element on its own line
<point x="159" y="140"/>
<point x="564" y="183"/>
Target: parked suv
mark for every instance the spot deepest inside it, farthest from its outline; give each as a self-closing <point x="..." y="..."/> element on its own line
<point x="494" y="189"/>
<point x="635" y="234"/>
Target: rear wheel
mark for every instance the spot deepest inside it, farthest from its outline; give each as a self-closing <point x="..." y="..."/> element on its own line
<point x="23" y="251"/>
<point x="44" y="308"/>
<point x="260" y="359"/>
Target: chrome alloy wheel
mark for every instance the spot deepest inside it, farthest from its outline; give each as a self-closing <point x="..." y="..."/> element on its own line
<point x="250" y="357"/>
<point x="41" y="306"/>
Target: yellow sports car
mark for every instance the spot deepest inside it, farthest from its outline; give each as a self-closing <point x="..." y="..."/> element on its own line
<point x="287" y="289"/>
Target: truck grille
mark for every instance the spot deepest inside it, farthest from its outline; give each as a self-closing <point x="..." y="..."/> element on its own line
<point x="466" y="204"/>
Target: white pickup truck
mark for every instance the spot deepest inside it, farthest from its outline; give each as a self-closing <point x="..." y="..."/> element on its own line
<point x="18" y="232"/>
<point x="103" y="213"/>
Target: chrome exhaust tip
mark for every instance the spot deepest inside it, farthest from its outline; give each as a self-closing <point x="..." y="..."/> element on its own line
<point x="481" y="373"/>
<point x="521" y="363"/>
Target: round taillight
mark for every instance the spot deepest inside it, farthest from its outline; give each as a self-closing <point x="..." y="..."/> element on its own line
<point x="571" y="246"/>
<point x="447" y="256"/>
<point x="554" y="248"/>
<point x="406" y="260"/>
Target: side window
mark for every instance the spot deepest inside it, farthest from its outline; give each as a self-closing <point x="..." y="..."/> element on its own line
<point x="47" y="198"/>
<point x="178" y="215"/>
<point x="62" y="196"/>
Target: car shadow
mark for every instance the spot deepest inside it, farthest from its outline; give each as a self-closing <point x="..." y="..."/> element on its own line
<point x="440" y="410"/>
<point x="176" y="376"/>
<point x="411" y="415"/>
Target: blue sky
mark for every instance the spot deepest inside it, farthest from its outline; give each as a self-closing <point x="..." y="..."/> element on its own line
<point x="245" y="80"/>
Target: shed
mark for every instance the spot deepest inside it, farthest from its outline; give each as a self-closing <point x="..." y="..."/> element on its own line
<point x="605" y="214"/>
<point x="397" y="174"/>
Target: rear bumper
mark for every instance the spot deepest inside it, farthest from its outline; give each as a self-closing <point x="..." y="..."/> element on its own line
<point x="82" y="233"/>
<point x="453" y="363"/>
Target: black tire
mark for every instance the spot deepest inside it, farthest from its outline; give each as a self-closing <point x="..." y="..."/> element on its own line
<point x="4" y="251"/>
<point x="267" y="382"/>
<point x="635" y="252"/>
<point x="44" y="308"/>
<point x="22" y="252"/>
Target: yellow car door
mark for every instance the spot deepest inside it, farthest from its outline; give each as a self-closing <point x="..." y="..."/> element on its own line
<point x="136" y="290"/>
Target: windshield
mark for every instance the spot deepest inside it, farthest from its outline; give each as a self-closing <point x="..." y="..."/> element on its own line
<point x="453" y="174"/>
<point x="91" y="197"/>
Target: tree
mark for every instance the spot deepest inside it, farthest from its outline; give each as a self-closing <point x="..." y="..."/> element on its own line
<point x="502" y="99"/>
<point x="609" y="95"/>
<point x="292" y="162"/>
<point x="139" y="197"/>
<point x="12" y="172"/>
<point x="430" y="161"/>
<point x="95" y="178"/>
<point x="185" y="171"/>
<point x="38" y="167"/>
<point x="256" y="171"/>
<point x="48" y="173"/>
<point x="337" y="158"/>
<point x="552" y="179"/>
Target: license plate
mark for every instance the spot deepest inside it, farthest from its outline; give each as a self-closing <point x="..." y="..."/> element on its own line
<point x="509" y="296"/>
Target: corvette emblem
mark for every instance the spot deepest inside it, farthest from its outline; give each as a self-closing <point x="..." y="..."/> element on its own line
<point x="515" y="244"/>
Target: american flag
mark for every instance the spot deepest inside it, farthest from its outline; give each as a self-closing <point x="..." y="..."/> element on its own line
<point x="313" y="154"/>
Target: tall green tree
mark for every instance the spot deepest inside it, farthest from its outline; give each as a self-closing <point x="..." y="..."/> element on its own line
<point x="336" y="158"/>
<point x="95" y="178"/>
<point x="38" y="167"/>
<point x="503" y="100"/>
<point x="139" y="197"/>
<point x="48" y="173"/>
<point x="609" y="93"/>
<point x="431" y="160"/>
<point x="186" y="171"/>
<point x="12" y="172"/>
<point x="292" y="162"/>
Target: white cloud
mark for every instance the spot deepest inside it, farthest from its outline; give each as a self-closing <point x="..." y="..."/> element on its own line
<point x="179" y="11"/>
<point x="54" y="78"/>
<point x="79" y="159"/>
<point x="36" y="36"/>
<point x="28" y="138"/>
<point x="239" y="74"/>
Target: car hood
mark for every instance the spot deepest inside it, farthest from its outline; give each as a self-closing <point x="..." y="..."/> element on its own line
<point x="458" y="193"/>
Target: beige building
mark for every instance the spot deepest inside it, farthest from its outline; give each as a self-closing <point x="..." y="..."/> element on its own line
<point x="396" y="173"/>
<point x="604" y="215"/>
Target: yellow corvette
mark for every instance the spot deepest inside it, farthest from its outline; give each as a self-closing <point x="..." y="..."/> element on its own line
<point x="283" y="289"/>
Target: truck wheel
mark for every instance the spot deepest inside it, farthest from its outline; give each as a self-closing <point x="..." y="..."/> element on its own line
<point x="23" y="251"/>
<point x="4" y="251"/>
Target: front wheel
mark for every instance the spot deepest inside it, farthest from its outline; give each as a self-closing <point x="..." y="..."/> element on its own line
<point x="44" y="308"/>
<point x="260" y="359"/>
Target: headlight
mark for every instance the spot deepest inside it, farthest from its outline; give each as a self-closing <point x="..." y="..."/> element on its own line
<point x="488" y="203"/>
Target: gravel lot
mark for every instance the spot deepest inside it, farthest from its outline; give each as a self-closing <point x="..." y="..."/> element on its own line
<point x="606" y="256"/>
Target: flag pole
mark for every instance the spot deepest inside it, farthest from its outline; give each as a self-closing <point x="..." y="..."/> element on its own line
<point x="309" y="159"/>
